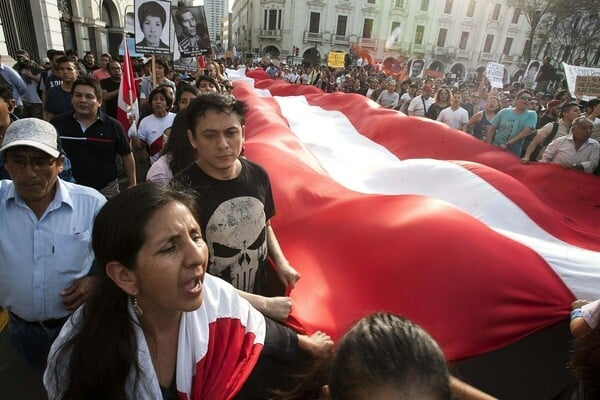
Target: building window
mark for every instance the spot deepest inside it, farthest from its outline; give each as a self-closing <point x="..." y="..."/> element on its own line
<point x="442" y="37"/>
<point x="448" y="7"/>
<point x="516" y="15"/>
<point x="424" y="5"/>
<point x="489" y="41"/>
<point x="399" y="4"/>
<point x="371" y="1"/>
<point x="419" y="34"/>
<point x="367" y="28"/>
<point x="507" y="46"/>
<point x="471" y="9"/>
<point x="341" y="25"/>
<point x="315" y="19"/>
<point x="464" y="40"/>
<point x="272" y="20"/>
<point x="496" y="12"/>
<point x="395" y="31"/>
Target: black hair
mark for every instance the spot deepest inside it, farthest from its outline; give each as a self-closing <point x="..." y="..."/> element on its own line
<point x="6" y="91"/>
<point x="151" y="9"/>
<point x="65" y="59"/>
<point x="182" y="11"/>
<point x="387" y="349"/>
<point x="567" y="107"/>
<point x="165" y="92"/>
<point x="98" y="359"/>
<point x="589" y="106"/>
<point x="87" y="81"/>
<point x="178" y="147"/>
<point x="214" y="101"/>
<point x="162" y="62"/>
<point x="185" y="88"/>
<point x="380" y="350"/>
<point x="209" y="79"/>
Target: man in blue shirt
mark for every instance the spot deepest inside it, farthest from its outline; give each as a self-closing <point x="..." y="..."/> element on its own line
<point x="46" y="261"/>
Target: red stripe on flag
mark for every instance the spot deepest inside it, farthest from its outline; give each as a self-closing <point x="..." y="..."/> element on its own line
<point x="127" y="103"/>
<point x="222" y="372"/>
<point x="474" y="289"/>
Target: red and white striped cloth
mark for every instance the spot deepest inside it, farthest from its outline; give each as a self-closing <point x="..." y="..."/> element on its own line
<point x="380" y="211"/>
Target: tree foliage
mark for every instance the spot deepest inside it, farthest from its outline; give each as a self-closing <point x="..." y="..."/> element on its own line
<point x="562" y="29"/>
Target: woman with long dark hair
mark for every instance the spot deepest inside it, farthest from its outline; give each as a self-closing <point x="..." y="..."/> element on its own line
<point x="156" y="326"/>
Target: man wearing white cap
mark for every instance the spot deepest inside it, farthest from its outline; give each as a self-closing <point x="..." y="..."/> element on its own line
<point x="45" y="263"/>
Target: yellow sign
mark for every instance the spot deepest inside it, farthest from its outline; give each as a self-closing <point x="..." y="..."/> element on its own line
<point x="336" y="59"/>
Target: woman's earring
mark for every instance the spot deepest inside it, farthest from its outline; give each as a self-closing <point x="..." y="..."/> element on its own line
<point x="136" y="306"/>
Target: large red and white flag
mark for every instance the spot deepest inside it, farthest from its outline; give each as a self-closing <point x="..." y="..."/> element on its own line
<point x="380" y="211"/>
<point x="127" y="104"/>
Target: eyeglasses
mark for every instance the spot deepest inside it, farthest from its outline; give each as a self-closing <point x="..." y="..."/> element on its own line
<point x="36" y="163"/>
<point x="525" y="98"/>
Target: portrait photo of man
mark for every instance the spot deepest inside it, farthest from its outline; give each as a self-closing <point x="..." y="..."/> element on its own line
<point x="191" y="31"/>
<point x="152" y="32"/>
<point x="416" y="68"/>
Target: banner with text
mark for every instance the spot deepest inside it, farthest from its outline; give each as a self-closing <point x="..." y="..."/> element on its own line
<point x="495" y="73"/>
<point x="336" y="59"/>
<point x="572" y="72"/>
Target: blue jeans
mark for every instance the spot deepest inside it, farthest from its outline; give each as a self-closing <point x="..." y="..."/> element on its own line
<point x="32" y="341"/>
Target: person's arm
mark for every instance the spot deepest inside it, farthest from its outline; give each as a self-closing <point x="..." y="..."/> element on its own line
<point x="537" y="139"/>
<point x="475" y="119"/>
<point x="277" y="308"/>
<point x="491" y="132"/>
<point x="129" y="167"/>
<point x="411" y="107"/>
<point x="590" y="165"/>
<point x="106" y="95"/>
<point x="287" y="274"/>
<point x="77" y="293"/>
<point x="550" y="151"/>
<point x="464" y="391"/>
<point x="521" y="135"/>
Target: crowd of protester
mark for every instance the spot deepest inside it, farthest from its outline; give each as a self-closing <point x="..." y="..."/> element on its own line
<point x="59" y="119"/>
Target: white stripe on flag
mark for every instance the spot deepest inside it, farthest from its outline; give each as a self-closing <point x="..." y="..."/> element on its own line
<point x="361" y="165"/>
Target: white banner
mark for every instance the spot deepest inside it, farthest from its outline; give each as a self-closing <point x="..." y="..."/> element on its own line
<point x="495" y="74"/>
<point x="571" y="74"/>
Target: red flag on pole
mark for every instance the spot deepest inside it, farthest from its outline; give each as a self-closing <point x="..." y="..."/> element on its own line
<point x="127" y="104"/>
<point x="201" y="62"/>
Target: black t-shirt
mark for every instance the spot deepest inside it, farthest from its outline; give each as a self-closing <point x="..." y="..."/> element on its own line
<point x="233" y="216"/>
<point x="110" y="106"/>
<point x="93" y="152"/>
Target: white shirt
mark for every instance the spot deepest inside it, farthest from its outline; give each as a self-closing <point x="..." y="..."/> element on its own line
<point x="416" y="107"/>
<point x="562" y="151"/>
<point x="454" y="118"/>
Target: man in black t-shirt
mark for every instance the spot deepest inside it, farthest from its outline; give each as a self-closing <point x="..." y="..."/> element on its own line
<point x="110" y="88"/>
<point x="236" y="203"/>
<point x="92" y="140"/>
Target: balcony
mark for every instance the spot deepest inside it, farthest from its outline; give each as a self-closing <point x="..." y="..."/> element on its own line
<point x="339" y="39"/>
<point x="312" y="37"/>
<point x="368" y="42"/>
<point x="486" y="56"/>
<point x="270" y="34"/>
<point x="507" y="59"/>
<point x="465" y="54"/>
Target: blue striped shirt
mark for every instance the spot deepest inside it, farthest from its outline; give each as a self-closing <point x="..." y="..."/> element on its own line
<point x="40" y="258"/>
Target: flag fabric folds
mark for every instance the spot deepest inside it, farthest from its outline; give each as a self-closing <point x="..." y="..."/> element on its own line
<point x="127" y="103"/>
<point x="380" y="211"/>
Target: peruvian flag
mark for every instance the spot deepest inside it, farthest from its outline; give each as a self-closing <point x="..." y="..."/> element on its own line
<point x="127" y="104"/>
<point x="384" y="212"/>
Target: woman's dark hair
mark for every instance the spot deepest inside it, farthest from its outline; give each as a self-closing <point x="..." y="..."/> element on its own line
<point x="589" y="106"/>
<point x="388" y="350"/>
<point x="178" y="147"/>
<point x="585" y="363"/>
<point x="151" y="9"/>
<point x="165" y="92"/>
<point x="185" y="87"/>
<point x="214" y="101"/>
<point x="210" y="79"/>
<point x="380" y="350"/>
<point x="100" y="356"/>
